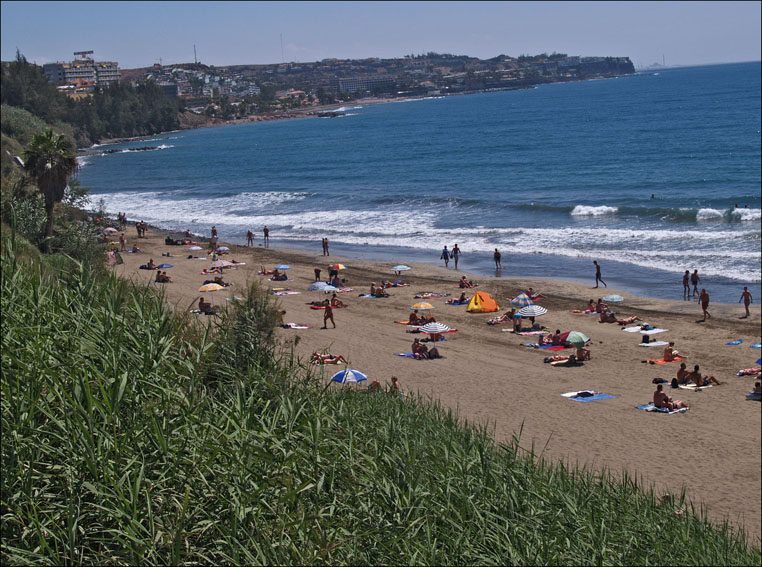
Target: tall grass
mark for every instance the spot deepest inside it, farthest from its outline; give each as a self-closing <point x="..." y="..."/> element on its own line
<point x="132" y="435"/>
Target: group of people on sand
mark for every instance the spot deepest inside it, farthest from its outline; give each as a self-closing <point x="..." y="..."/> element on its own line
<point x="377" y="291"/>
<point x="466" y="283"/>
<point x="162" y="277"/>
<point x="417" y="319"/>
<point x="422" y="352"/>
<point x="393" y="389"/>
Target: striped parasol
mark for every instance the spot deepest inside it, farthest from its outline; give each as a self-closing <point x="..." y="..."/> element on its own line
<point x="337" y="267"/>
<point x="532" y="311"/>
<point x="210" y="287"/>
<point x="434" y="328"/>
<point x="349" y="376"/>
<point x="614" y="298"/>
<point x="522" y="300"/>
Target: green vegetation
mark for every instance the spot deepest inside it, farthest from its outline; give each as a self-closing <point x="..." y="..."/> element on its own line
<point x="116" y="111"/>
<point x="135" y="435"/>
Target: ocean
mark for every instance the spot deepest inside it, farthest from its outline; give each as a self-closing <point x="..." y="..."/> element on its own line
<point x="642" y="173"/>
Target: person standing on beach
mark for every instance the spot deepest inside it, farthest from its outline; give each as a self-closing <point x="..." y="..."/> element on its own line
<point x="598" y="277"/>
<point x="214" y="231"/>
<point x="317" y="274"/>
<point x="266" y="232"/>
<point x="497" y="257"/>
<point x="695" y="281"/>
<point x="325" y="247"/>
<point x="445" y="256"/>
<point x="686" y="284"/>
<point x="746" y="298"/>
<point x="704" y="301"/>
<point x="123" y="243"/>
<point x="455" y="254"/>
<point x="249" y="238"/>
<point x="328" y="314"/>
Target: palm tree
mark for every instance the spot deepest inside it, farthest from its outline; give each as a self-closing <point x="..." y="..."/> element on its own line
<point x="50" y="160"/>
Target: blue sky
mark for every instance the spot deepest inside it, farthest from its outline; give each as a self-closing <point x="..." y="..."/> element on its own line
<point x="138" y="34"/>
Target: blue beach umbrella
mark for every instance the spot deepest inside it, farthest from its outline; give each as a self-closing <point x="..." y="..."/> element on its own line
<point x="283" y="267"/>
<point x="165" y="266"/>
<point x="348" y="376"/>
<point x="522" y="300"/>
<point x="614" y="298"/>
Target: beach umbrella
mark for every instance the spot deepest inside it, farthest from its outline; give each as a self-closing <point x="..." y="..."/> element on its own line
<point x="223" y="249"/>
<point x="165" y="266"/>
<point x="532" y="311"/>
<point x="221" y="264"/>
<point x="337" y="266"/>
<point x="422" y="306"/>
<point x="348" y="376"/>
<point x="522" y="300"/>
<point x="614" y="298"/>
<point x="110" y="229"/>
<point x="210" y="287"/>
<point x="282" y="267"/>
<point x="400" y="268"/>
<point x="316" y="286"/>
<point x="195" y="248"/>
<point x="329" y="288"/>
<point x="577" y="339"/>
<point x="434" y="328"/>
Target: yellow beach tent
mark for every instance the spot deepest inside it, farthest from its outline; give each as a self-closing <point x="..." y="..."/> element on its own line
<point x="482" y="302"/>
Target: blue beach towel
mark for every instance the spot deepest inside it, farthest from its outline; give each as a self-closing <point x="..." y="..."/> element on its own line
<point x="733" y="343"/>
<point x="593" y="398"/>
<point x="757" y="345"/>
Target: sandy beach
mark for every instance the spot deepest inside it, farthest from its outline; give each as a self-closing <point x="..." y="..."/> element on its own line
<point x="713" y="450"/>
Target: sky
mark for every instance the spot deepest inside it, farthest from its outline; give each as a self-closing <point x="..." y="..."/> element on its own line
<point x="139" y="34"/>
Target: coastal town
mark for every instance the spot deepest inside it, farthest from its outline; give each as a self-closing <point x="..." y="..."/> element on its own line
<point x="237" y="91"/>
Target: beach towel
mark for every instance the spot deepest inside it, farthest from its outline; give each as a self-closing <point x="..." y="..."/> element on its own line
<point x="586" y="312"/>
<point x="531" y="333"/>
<point x="406" y="323"/>
<point x="654" y="331"/>
<point x="588" y="396"/>
<point x="655" y="343"/>
<point x="295" y="326"/>
<point x="411" y="355"/>
<point x="653" y="408"/>
<point x="565" y="363"/>
<point x="692" y="386"/>
<point x="757" y="345"/>
<point x="458" y="302"/>
<point x="199" y="312"/>
<point x="272" y="280"/>
<point x="733" y="343"/>
<point x="430" y="294"/>
<point x="678" y="358"/>
<point x="367" y="296"/>
<point x="285" y="292"/>
<point x="754" y="396"/>
<point x="344" y="290"/>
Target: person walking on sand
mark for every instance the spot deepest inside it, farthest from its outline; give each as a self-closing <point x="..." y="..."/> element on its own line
<point x="455" y="254"/>
<point x="686" y="284"/>
<point x="249" y="238"/>
<point x="695" y="280"/>
<point x="497" y="257"/>
<point x="746" y="298"/>
<point x="328" y="314"/>
<point x="123" y="243"/>
<point x="704" y="301"/>
<point x="445" y="256"/>
<point x="598" y="277"/>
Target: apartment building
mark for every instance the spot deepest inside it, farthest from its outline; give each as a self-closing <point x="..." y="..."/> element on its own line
<point x="83" y="67"/>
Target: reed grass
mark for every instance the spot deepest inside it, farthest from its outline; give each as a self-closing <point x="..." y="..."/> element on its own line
<point x="132" y="435"/>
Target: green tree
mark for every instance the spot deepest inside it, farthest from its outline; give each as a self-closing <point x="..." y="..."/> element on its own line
<point x="49" y="160"/>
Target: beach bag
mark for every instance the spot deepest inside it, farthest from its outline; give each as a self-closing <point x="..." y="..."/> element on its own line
<point x="646" y="339"/>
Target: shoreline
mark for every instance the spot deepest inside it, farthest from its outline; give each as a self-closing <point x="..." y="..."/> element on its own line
<point x="492" y="380"/>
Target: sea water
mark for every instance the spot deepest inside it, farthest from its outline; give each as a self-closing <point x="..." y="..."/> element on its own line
<point x="641" y="173"/>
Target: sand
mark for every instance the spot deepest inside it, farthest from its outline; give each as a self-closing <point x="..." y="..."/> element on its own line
<point x="713" y="450"/>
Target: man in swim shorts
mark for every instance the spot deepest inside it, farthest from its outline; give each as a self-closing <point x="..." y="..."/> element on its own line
<point x="746" y="298"/>
<point x="686" y="284"/>
<point x="598" y="274"/>
<point x="704" y="301"/>
<point x="695" y="281"/>
<point x="249" y="238"/>
<point x="455" y="254"/>
<point x="445" y="255"/>
<point x="498" y="263"/>
<point x="328" y="314"/>
<point x="662" y="400"/>
<point x="266" y="232"/>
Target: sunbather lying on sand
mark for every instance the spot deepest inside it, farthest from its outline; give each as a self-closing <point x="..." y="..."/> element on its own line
<point x="662" y="400"/>
<point x="461" y="299"/>
<point x="327" y="358"/>
<point x="263" y="272"/>
<point x="609" y="317"/>
<point x="506" y="317"/>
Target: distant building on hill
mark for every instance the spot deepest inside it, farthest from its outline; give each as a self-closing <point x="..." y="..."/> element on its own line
<point x="82" y="67"/>
<point x="354" y="84"/>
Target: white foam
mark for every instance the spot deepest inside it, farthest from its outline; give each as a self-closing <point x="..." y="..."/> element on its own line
<point x="746" y="214"/>
<point x="588" y="211"/>
<point x="709" y="214"/>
